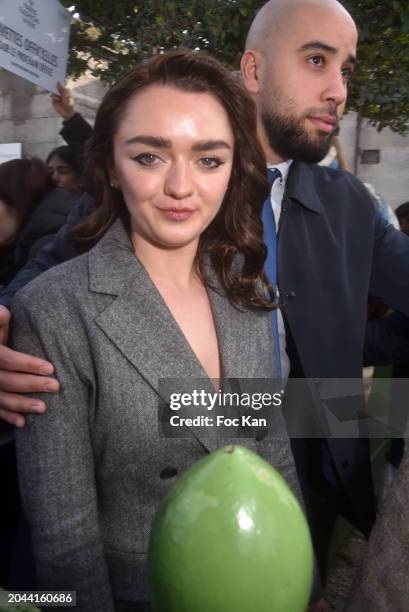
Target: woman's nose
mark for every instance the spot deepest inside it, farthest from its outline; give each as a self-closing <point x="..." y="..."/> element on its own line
<point x="179" y="181"/>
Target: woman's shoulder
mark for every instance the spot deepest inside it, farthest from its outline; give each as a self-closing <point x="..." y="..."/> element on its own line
<point x="63" y="284"/>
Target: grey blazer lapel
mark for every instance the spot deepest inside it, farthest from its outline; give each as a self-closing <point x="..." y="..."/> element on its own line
<point x="138" y="321"/>
<point x="143" y="329"/>
<point x="139" y="324"/>
<point x="240" y="336"/>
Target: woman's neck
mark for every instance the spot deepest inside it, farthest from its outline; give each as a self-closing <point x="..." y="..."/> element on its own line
<point x="166" y="265"/>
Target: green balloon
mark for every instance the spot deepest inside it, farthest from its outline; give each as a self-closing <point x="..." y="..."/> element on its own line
<point x="230" y="537"/>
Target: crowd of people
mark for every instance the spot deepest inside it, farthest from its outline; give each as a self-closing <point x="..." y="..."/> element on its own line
<point x="35" y="199"/>
<point x="176" y="255"/>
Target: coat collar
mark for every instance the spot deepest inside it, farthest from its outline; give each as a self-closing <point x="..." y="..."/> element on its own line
<point x="301" y="186"/>
<point x="140" y="325"/>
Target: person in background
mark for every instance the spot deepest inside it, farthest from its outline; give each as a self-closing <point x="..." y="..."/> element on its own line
<point x="35" y="200"/>
<point x="64" y="166"/>
<point x="8" y="221"/>
<point x="402" y="212"/>
<point x="336" y="158"/>
<point x="75" y="130"/>
<point x="65" y="162"/>
<point x="384" y="208"/>
<point x="23" y="185"/>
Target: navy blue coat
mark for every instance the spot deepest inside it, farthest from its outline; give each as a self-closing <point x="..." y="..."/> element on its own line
<point x="334" y="250"/>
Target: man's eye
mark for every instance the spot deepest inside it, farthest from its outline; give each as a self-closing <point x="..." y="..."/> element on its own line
<point x="211" y="162"/>
<point x="346" y="73"/>
<point x="147" y="159"/>
<point x="316" y="60"/>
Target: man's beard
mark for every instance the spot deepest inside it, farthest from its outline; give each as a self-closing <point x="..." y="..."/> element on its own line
<point x="289" y="139"/>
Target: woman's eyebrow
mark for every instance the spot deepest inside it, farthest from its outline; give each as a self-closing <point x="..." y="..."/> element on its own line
<point x="165" y="143"/>
<point x="207" y="145"/>
<point x="152" y="141"/>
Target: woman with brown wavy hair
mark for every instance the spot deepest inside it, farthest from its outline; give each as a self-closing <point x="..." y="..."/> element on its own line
<point x="173" y="289"/>
<point x="237" y="225"/>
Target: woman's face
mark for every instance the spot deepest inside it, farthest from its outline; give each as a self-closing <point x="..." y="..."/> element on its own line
<point x="173" y="156"/>
<point x="62" y="174"/>
<point x="8" y="223"/>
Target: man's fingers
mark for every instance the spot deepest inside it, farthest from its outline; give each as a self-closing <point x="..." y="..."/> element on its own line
<point x="20" y="362"/>
<point x="13" y="407"/>
<point x="12" y="418"/>
<point x="4" y="324"/>
<point x="63" y="91"/>
<point x="16" y="382"/>
<point x="11" y="402"/>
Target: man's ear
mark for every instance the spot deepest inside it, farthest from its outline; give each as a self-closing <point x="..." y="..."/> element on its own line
<point x="250" y="66"/>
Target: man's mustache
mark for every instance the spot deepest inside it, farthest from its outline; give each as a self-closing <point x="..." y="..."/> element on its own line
<point x="323" y="111"/>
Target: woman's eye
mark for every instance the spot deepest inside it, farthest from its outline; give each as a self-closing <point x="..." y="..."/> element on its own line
<point x="147" y="159"/>
<point x="211" y="162"/>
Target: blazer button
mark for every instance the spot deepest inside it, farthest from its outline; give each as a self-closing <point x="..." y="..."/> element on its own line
<point x="345" y="464"/>
<point x="168" y="472"/>
<point x="291" y="295"/>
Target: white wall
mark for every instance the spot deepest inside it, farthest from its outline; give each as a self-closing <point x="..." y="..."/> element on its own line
<point x="391" y="176"/>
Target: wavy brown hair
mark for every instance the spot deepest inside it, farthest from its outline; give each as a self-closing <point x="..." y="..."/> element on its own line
<point x="23" y="184"/>
<point x="234" y="239"/>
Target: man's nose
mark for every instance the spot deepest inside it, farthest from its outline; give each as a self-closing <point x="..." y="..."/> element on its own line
<point x="179" y="182"/>
<point x="336" y="88"/>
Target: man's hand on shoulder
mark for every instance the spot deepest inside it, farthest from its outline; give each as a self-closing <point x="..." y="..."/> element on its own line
<point x="20" y="373"/>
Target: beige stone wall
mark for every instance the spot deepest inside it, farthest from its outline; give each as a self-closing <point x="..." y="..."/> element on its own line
<point x="391" y="176"/>
<point x="27" y="115"/>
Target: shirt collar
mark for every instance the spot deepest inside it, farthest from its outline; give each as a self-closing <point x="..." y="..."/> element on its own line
<point x="284" y="168"/>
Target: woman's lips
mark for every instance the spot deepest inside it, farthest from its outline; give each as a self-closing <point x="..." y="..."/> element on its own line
<point x="324" y="123"/>
<point x="177" y="214"/>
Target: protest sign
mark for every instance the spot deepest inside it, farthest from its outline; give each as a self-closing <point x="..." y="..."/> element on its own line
<point x="10" y="150"/>
<point x="34" y="38"/>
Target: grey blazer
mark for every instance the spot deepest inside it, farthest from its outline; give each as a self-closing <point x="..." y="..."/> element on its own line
<point x="92" y="467"/>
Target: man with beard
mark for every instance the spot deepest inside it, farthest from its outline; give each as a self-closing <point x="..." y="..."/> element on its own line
<point x="333" y="248"/>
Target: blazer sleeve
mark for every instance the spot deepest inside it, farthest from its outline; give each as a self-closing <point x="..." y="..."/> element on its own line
<point x="56" y="466"/>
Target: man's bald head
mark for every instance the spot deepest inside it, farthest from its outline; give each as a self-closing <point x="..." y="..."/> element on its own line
<point x="299" y="57"/>
<point x="275" y="17"/>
